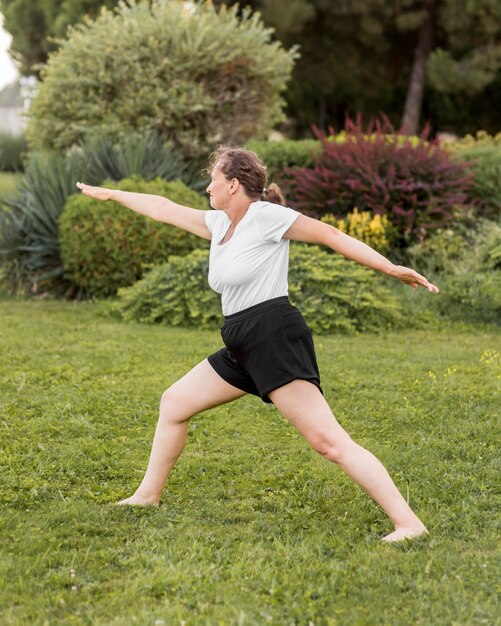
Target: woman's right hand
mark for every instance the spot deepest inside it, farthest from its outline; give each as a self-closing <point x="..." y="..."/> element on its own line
<point x="98" y="193"/>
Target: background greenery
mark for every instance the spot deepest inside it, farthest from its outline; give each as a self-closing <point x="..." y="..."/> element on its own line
<point x="355" y="56"/>
<point x="254" y="527"/>
<point x="30" y="257"/>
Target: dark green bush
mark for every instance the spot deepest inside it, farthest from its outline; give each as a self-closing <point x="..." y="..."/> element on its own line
<point x="439" y="252"/>
<point x="338" y="295"/>
<point x="176" y="293"/>
<point x="105" y="246"/>
<point x="12" y="149"/>
<point x="334" y="294"/>
<point x="486" y="162"/>
<point x="277" y="155"/>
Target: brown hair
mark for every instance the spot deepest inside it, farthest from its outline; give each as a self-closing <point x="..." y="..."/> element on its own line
<point x="249" y="170"/>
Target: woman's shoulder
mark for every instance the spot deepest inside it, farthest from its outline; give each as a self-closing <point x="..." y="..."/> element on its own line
<point x="216" y="219"/>
<point x="264" y="205"/>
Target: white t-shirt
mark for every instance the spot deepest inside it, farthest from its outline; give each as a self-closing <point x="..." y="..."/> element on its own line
<point x="251" y="267"/>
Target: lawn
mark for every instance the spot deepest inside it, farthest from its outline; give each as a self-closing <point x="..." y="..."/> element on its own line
<point x="254" y="527"/>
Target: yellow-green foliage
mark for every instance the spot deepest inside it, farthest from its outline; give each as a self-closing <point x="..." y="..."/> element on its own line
<point x="481" y="139"/>
<point x="371" y="229"/>
<point x="343" y="137"/>
<point x="105" y="246"/>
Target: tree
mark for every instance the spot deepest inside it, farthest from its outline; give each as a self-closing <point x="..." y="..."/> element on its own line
<point x="194" y="75"/>
<point x="399" y="57"/>
<point x="471" y="59"/>
<point x="458" y="48"/>
<point x="347" y="63"/>
<point x="424" y="18"/>
<point x="34" y="25"/>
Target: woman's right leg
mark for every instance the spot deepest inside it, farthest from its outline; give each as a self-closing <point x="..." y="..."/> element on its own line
<point x="200" y="389"/>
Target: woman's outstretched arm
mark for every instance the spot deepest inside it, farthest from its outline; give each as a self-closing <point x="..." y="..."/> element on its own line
<point x="158" y="208"/>
<point x="310" y="230"/>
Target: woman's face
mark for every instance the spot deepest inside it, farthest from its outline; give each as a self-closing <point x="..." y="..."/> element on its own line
<point x="219" y="189"/>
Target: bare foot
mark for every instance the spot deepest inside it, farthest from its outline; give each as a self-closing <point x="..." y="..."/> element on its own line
<point x="402" y="533"/>
<point x="137" y="500"/>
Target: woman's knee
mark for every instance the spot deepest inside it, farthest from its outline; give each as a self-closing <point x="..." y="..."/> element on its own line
<point x="334" y="450"/>
<point x="174" y="407"/>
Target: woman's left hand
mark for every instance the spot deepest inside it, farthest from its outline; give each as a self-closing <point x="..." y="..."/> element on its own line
<point x="412" y="278"/>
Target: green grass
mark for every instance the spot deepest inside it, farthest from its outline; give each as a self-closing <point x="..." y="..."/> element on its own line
<point x="254" y="527"/>
<point x="8" y="184"/>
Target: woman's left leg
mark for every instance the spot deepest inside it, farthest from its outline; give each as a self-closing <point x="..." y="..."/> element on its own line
<point x="302" y="403"/>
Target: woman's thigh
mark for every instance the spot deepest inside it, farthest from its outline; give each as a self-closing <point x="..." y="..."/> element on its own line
<point x="200" y="389"/>
<point x="304" y="406"/>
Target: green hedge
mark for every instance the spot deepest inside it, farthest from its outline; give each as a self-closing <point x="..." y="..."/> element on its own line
<point x="338" y="295"/>
<point x="277" y="155"/>
<point x="105" y="246"/>
<point x="335" y="295"/>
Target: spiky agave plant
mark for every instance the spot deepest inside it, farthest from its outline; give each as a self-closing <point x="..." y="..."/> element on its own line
<point x="143" y="154"/>
<point x="29" y="246"/>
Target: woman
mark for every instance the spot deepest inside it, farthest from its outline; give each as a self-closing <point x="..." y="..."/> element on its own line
<point x="268" y="347"/>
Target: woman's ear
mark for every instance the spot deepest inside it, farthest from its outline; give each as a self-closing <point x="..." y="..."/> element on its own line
<point x="234" y="185"/>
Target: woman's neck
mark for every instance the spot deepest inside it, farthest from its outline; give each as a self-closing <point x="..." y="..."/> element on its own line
<point x="237" y="211"/>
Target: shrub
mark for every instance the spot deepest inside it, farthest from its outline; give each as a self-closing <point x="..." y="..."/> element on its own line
<point x="459" y="250"/>
<point x="12" y="149"/>
<point x="374" y="230"/>
<point x="415" y="184"/>
<point x="486" y="167"/>
<point x="279" y="155"/>
<point x="176" y="293"/>
<point x="105" y="246"/>
<point x="472" y="297"/>
<point x="466" y="264"/>
<point x="194" y="74"/>
<point x="334" y="294"/>
<point x="338" y="295"/>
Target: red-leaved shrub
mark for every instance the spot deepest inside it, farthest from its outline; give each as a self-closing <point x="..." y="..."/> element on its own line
<point x="411" y="180"/>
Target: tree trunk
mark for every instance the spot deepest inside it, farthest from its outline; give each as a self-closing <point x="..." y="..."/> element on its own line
<point x="322" y="112"/>
<point x="415" y="92"/>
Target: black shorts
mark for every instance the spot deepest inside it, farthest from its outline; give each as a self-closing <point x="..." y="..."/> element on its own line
<point x="266" y="346"/>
